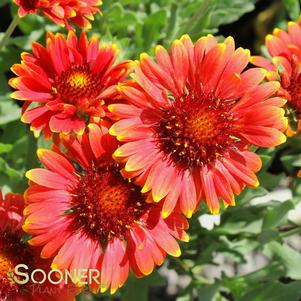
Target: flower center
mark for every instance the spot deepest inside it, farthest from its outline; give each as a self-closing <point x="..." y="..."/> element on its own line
<point x="77" y="85"/>
<point x="196" y="129"/>
<point x="7" y="284"/>
<point x="295" y="93"/>
<point x="106" y="205"/>
<point x="12" y="253"/>
<point x="29" y="4"/>
<point x="292" y="88"/>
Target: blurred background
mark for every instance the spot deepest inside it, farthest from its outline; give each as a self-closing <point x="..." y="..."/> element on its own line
<point x="250" y="252"/>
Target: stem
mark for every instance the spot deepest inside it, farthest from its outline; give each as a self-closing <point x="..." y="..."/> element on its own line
<point x="291" y="232"/>
<point x="9" y="31"/>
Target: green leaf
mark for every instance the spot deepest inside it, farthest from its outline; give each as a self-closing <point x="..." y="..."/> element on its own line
<point x="137" y="289"/>
<point x="275" y="292"/>
<point x="293" y="8"/>
<point x="266" y="161"/>
<point x="290" y="258"/>
<point x="207" y="293"/>
<point x="153" y="26"/>
<point x="241" y="285"/>
<point x="4" y="2"/>
<point x="5" y="148"/>
<point x="277" y="215"/>
<point x="267" y="235"/>
<point x="268" y="180"/>
<point x="241" y="227"/>
<point x="291" y="161"/>
<point x="9" y="110"/>
<point x="228" y="11"/>
<point x="11" y="177"/>
<point x="250" y="193"/>
<point x="186" y="296"/>
<point x="205" y="16"/>
<point x="32" y="23"/>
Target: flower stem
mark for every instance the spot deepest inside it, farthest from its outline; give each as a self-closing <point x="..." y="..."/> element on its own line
<point x="9" y="31"/>
<point x="291" y="232"/>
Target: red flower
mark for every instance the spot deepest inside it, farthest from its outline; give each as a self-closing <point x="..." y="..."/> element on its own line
<point x="190" y="119"/>
<point x="66" y="83"/>
<point x="102" y="220"/>
<point x="13" y="252"/>
<point x="285" y="51"/>
<point x="62" y="11"/>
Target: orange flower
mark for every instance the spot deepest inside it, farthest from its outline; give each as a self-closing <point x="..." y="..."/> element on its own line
<point x="190" y="119"/>
<point x="13" y="252"/>
<point x="284" y="49"/>
<point x="62" y="11"/>
<point x="102" y="220"/>
<point x="66" y="83"/>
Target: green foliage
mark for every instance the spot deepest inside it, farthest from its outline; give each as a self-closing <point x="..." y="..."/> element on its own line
<point x="293" y="8"/>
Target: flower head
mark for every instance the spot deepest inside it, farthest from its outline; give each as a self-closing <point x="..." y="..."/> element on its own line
<point x="103" y="220"/>
<point x="62" y="12"/>
<point x="189" y="119"/>
<point x="14" y="251"/>
<point x="284" y="62"/>
<point x="66" y="83"/>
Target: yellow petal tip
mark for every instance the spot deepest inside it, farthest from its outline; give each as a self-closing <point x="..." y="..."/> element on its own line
<point x="177" y="253"/>
<point x="143" y="56"/>
<point x="269" y="37"/>
<point x="214" y="211"/>
<point x="189" y="214"/>
<point x="165" y="214"/>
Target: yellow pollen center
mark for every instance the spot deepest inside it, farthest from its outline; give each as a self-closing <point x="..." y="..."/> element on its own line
<point x="114" y="199"/>
<point x="5" y="266"/>
<point x="196" y="129"/>
<point x="202" y="127"/>
<point x="78" y="85"/>
<point x="78" y="80"/>
<point x="105" y="204"/>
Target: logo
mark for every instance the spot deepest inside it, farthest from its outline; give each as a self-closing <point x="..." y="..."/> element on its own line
<point x="22" y="275"/>
<point x="10" y="277"/>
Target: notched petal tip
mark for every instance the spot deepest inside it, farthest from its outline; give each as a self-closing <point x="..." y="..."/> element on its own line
<point x="189" y="213"/>
<point x="185" y="37"/>
<point x="41" y="151"/>
<point x="185" y="237"/>
<point x="214" y="211"/>
<point x="165" y="214"/>
<point x="269" y="37"/>
<point x="177" y="42"/>
<point x="112" y="132"/>
<point x="276" y="31"/>
<point x="145" y="189"/>
<point x="159" y="48"/>
<point x="144" y="56"/>
<point x="233" y="202"/>
<point x="283" y="138"/>
<point x="177" y="253"/>
<point x="156" y="198"/>
<point x="291" y="23"/>
<point x="28" y="174"/>
<point x="26" y="227"/>
<point x="263" y="71"/>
